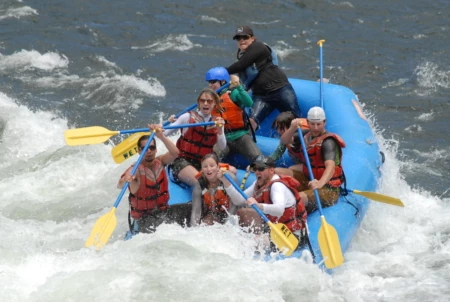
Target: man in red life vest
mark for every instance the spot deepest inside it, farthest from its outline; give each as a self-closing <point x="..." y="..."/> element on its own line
<point x="149" y="194"/>
<point x="275" y="195"/>
<point x="325" y="155"/>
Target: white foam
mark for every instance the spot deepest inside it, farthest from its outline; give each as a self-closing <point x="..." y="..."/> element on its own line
<point x="27" y="59"/>
<point x="211" y="19"/>
<point x="171" y="42"/>
<point x="18" y="13"/>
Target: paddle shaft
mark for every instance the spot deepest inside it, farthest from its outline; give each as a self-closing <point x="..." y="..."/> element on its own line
<point x="321" y="70"/>
<point x="167" y="127"/>
<point x="311" y="175"/>
<point x="263" y="216"/>
<point x="136" y="166"/>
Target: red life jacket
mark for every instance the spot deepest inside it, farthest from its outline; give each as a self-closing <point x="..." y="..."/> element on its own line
<point x="293" y="217"/>
<point x="232" y="114"/>
<point x="196" y="142"/>
<point x="152" y="195"/>
<point x="314" y="149"/>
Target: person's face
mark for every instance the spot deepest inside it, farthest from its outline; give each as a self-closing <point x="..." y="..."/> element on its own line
<point x="244" y="42"/>
<point x="151" y="151"/>
<point x="316" y="128"/>
<point x="210" y="169"/>
<point x="263" y="174"/>
<point x="214" y="84"/>
<point x="206" y="103"/>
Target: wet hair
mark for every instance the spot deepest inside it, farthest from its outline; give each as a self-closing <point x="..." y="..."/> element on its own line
<point x="142" y="138"/>
<point x="214" y="96"/>
<point x="213" y="156"/>
<point x="283" y="120"/>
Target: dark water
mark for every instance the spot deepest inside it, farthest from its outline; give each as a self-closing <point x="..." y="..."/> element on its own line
<point x="121" y="64"/>
<point x="393" y="54"/>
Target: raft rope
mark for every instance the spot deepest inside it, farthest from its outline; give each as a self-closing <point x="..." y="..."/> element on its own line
<point x="244" y="180"/>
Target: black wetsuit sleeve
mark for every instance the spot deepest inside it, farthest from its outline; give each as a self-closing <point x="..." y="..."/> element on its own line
<point x="329" y="149"/>
<point x="254" y="53"/>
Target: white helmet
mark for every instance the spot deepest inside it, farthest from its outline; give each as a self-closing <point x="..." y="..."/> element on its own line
<point x="316" y="114"/>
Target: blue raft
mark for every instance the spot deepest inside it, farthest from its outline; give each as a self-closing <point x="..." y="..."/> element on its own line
<point x="361" y="158"/>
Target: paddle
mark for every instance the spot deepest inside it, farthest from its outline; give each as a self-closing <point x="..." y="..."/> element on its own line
<point x="320" y="42"/>
<point x="379" y="197"/>
<point x="280" y="234"/>
<point x="127" y="148"/>
<point x="97" y="134"/>
<point x="329" y="244"/>
<point x="105" y="225"/>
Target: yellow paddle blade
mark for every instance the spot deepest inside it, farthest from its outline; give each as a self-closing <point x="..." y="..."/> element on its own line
<point x="283" y="238"/>
<point x="329" y="245"/>
<point x="127" y="148"/>
<point x="381" y="198"/>
<point x="88" y="135"/>
<point x="102" y="230"/>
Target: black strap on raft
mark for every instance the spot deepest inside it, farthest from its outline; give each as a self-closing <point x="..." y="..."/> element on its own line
<point x="344" y="191"/>
<point x="310" y="246"/>
<point x="250" y="125"/>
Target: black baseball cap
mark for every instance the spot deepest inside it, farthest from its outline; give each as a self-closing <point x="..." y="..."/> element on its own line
<point x="243" y="31"/>
<point x="263" y="161"/>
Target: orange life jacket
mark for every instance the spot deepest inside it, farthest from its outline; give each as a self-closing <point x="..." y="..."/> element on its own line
<point x="293" y="217"/>
<point x="232" y="114"/>
<point x="152" y="195"/>
<point x="314" y="149"/>
<point x="214" y="202"/>
<point x="196" y="142"/>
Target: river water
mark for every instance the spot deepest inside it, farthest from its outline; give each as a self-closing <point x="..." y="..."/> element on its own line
<point x="122" y="64"/>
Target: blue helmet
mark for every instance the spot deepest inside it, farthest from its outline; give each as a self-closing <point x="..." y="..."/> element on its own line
<point x="217" y="73"/>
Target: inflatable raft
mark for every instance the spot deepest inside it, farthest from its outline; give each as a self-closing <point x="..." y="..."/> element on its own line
<point x="361" y="159"/>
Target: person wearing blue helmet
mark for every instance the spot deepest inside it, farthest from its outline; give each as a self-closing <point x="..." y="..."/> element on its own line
<point x="233" y="102"/>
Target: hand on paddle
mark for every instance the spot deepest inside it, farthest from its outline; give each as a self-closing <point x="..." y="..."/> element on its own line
<point x="219" y="124"/>
<point x="252" y="201"/>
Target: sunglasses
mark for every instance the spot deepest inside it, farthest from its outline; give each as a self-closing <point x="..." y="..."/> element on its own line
<point x="239" y="38"/>
<point x="151" y="148"/>
<point x="209" y="101"/>
<point x="213" y="81"/>
<point x="259" y="169"/>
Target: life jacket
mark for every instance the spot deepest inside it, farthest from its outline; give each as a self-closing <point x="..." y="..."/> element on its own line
<point x="213" y="203"/>
<point x="314" y="149"/>
<point x="196" y="142"/>
<point x="295" y="149"/>
<point x="252" y="71"/>
<point x="232" y="114"/>
<point x="293" y="217"/>
<point x="152" y="195"/>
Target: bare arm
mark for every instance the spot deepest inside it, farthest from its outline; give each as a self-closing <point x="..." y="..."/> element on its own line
<point x="196" y="214"/>
<point x="329" y="147"/>
<point x="168" y="157"/>
<point x="134" y="181"/>
<point x="286" y="138"/>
